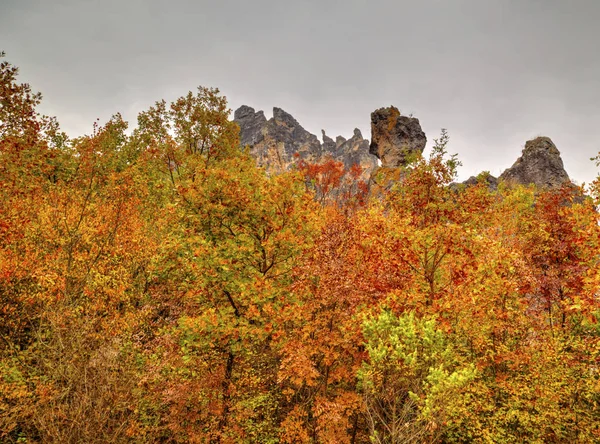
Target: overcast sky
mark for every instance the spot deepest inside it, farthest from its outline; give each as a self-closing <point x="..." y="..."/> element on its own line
<point x="495" y="73"/>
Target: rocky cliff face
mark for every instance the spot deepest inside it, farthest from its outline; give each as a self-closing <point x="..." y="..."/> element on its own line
<point x="277" y="143"/>
<point x="351" y="152"/>
<point x="395" y="137"/>
<point x="280" y="142"/>
<point x="540" y="164"/>
<point x="251" y="124"/>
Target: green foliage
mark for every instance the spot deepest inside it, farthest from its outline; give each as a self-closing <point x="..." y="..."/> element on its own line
<point x="412" y="377"/>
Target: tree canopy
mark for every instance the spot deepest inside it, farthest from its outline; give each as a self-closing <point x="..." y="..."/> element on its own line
<point x="157" y="286"/>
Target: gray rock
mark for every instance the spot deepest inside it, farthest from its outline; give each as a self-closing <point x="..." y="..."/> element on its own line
<point x="339" y="140"/>
<point x="355" y="152"/>
<point x="395" y="136"/>
<point x="540" y="164"/>
<point x="277" y="143"/>
<point x="251" y="124"/>
<point x="328" y="143"/>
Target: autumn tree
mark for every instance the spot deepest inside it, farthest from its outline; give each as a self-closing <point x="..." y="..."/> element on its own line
<point x="411" y="378"/>
<point x="231" y="234"/>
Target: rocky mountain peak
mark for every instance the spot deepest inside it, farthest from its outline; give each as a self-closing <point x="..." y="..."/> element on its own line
<point x="280" y="116"/>
<point x="339" y="140"/>
<point x="280" y="142"/>
<point x="250" y="123"/>
<point x="539" y="164"/>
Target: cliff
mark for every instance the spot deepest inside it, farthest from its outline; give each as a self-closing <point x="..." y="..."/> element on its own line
<point x="278" y="144"/>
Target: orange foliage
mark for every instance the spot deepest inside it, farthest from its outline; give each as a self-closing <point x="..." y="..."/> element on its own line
<point x="159" y="287"/>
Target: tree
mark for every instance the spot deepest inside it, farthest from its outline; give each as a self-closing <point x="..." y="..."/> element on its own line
<point x="411" y="378"/>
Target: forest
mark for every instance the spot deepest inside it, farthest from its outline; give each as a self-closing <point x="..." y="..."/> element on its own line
<point x="157" y="286"/>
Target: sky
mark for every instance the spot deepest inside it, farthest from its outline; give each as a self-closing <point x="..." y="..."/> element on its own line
<point x="494" y="73"/>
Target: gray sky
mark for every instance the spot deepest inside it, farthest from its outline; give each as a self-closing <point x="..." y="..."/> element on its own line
<point x="495" y="73"/>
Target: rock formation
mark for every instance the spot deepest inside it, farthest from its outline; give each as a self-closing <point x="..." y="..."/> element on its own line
<point x="251" y="124"/>
<point x="540" y="164"/>
<point x="279" y="143"/>
<point x="395" y="136"/>
<point x="354" y="151"/>
<point x="276" y="143"/>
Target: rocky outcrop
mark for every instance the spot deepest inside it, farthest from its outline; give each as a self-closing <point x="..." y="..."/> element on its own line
<point x="540" y="164"/>
<point x="394" y="137"/>
<point x="279" y="143"/>
<point x="251" y="124"/>
<point x="352" y="152"/>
